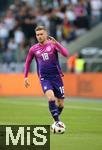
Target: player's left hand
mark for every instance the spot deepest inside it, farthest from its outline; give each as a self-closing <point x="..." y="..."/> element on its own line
<point x="52" y="39"/>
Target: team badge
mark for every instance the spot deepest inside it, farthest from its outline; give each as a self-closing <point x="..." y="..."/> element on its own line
<point x="48" y="49"/>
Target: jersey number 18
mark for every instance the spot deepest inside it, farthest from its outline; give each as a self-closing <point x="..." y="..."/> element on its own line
<point x="45" y="56"/>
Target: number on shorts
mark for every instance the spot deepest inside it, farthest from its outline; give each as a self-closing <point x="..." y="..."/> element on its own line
<point x="61" y="89"/>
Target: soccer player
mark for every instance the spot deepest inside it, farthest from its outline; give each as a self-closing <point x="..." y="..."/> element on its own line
<point x="49" y="72"/>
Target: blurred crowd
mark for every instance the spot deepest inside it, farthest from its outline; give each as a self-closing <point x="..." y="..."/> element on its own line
<point x="65" y="20"/>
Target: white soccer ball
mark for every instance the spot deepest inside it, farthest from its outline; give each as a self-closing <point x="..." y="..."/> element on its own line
<point x="58" y="127"/>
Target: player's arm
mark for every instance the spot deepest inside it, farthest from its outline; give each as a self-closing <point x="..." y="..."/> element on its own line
<point x="59" y="47"/>
<point x="27" y="66"/>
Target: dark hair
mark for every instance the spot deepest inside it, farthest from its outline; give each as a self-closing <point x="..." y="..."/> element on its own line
<point x="38" y="28"/>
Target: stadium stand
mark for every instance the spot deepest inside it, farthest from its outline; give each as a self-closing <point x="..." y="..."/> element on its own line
<point x="65" y="20"/>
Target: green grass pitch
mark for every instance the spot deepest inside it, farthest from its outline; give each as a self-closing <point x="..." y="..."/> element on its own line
<point x="82" y="117"/>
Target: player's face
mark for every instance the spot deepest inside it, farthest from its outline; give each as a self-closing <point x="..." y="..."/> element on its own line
<point x="41" y="36"/>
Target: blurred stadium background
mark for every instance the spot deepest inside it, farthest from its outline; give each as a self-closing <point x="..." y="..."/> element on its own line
<point x="77" y="24"/>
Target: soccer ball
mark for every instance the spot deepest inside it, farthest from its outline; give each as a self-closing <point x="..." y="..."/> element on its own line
<point x="58" y="127"/>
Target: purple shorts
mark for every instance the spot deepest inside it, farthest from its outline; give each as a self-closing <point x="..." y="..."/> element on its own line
<point x="55" y="84"/>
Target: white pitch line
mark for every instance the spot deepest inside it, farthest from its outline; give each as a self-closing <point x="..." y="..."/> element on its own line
<point x="78" y="107"/>
<point x="84" y="108"/>
<point x="68" y="106"/>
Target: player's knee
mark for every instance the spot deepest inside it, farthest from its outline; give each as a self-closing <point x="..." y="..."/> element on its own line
<point x="60" y="103"/>
<point x="51" y="98"/>
<point x="50" y="95"/>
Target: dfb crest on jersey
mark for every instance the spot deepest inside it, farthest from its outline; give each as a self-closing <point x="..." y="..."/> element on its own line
<point x="48" y="49"/>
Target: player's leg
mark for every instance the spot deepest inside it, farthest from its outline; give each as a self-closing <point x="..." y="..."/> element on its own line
<point x="52" y="104"/>
<point x="48" y="91"/>
<point x="59" y="93"/>
<point x="60" y="105"/>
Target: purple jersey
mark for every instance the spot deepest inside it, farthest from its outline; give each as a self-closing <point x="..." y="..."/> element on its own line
<point x="46" y="56"/>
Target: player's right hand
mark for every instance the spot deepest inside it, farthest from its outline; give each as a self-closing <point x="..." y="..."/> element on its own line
<point x="52" y="39"/>
<point x="26" y="82"/>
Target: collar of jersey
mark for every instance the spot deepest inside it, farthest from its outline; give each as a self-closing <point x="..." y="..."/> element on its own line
<point x="44" y="44"/>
